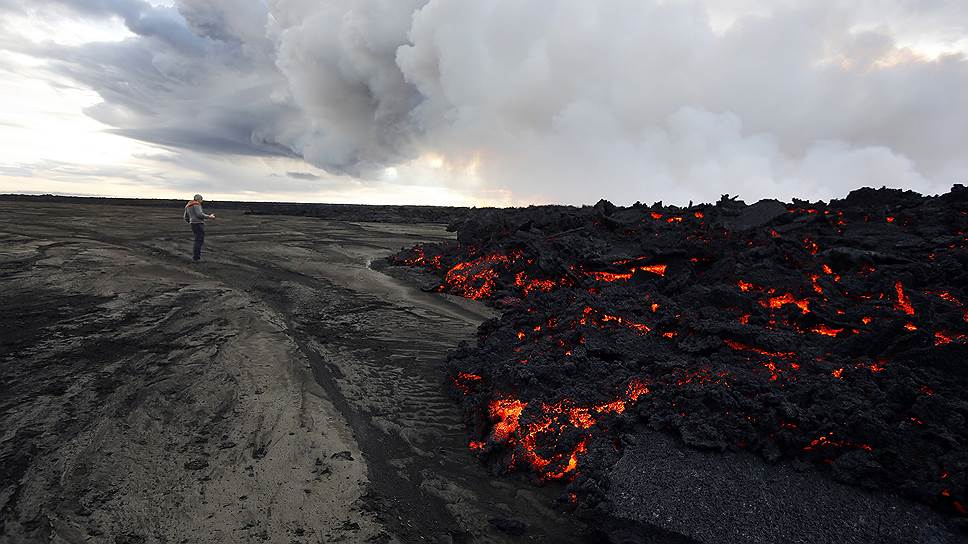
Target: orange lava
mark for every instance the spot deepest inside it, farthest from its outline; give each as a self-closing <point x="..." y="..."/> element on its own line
<point x="738" y="346"/>
<point x="507" y="412"/>
<point x="641" y="327"/>
<point x="826" y="331"/>
<point x="463" y="381"/>
<point x="811" y="246"/>
<point x="508" y="429"/>
<point x="617" y="406"/>
<point x="783" y="300"/>
<point x="636" y="389"/>
<point x="596" y="317"/>
<point x="828" y="441"/>
<point x="476" y="279"/>
<point x="816" y="286"/>
<point x="420" y="259"/>
<point x="944" y="295"/>
<point x="609" y="276"/>
<point x="572" y="461"/>
<point x="941" y="338"/>
<point x="657" y="269"/>
<point x="770" y="365"/>
<point x="527" y="285"/>
<point x="581" y="418"/>
<point x="903" y="303"/>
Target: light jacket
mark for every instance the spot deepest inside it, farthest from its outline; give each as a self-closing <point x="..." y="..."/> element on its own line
<point x="194" y="212"/>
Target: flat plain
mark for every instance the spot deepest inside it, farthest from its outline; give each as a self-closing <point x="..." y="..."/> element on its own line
<point x="283" y="390"/>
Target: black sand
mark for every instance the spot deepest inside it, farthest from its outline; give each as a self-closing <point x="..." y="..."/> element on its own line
<point x="280" y="391"/>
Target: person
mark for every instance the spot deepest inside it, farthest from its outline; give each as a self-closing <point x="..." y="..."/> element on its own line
<point x="196" y="216"/>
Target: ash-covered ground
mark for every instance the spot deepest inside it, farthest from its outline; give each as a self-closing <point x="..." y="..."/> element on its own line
<point x="824" y="339"/>
<point x="283" y="390"/>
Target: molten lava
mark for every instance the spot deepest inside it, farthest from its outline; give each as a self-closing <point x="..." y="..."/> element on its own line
<point x="530" y="285"/>
<point x="826" y="330"/>
<point x="475" y="279"/>
<point x="745" y="286"/>
<point x="783" y="300"/>
<point x="657" y="269"/>
<point x="811" y="246"/>
<point x="465" y="381"/>
<point x="760" y="328"/>
<point x="903" y="303"/>
<point x="738" y="346"/>
<point x="506" y="412"/>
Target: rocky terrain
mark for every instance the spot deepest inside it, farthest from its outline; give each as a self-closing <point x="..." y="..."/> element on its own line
<point x="825" y="339"/>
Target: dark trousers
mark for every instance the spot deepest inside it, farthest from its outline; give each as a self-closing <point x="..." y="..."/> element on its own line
<point x="199" y="230"/>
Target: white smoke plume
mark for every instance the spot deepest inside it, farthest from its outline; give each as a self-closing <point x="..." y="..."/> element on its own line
<point x="554" y="101"/>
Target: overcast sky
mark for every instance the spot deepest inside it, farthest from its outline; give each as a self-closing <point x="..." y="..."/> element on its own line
<point x="480" y="102"/>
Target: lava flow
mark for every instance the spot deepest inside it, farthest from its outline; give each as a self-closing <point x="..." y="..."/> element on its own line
<point x="810" y="332"/>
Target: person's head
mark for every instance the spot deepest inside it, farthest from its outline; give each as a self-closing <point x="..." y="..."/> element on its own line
<point x="198" y="198"/>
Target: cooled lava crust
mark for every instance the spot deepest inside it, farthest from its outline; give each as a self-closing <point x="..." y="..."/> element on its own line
<point x="833" y="335"/>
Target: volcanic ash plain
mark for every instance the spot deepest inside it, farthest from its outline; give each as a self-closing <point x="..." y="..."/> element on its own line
<point x="280" y="391"/>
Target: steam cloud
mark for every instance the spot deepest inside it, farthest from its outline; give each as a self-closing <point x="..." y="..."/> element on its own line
<point x="564" y="100"/>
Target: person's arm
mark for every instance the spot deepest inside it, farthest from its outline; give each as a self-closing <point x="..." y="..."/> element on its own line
<point x="205" y="215"/>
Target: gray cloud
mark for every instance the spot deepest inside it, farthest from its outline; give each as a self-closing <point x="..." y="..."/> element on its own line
<point x="64" y="171"/>
<point x="563" y="100"/>
<point x="302" y="175"/>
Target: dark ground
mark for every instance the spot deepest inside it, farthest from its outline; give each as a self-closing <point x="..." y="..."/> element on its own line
<point x="290" y="390"/>
<point x="281" y="391"/>
<point x="711" y="497"/>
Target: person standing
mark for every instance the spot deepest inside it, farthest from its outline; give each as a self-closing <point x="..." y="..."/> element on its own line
<point x="196" y="216"/>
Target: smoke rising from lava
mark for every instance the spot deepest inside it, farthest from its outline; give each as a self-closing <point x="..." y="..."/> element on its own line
<point x="562" y="101"/>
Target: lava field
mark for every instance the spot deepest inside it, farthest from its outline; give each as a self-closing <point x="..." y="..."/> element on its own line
<point x="830" y="335"/>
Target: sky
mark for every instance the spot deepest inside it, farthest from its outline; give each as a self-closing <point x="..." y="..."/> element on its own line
<point x="482" y="102"/>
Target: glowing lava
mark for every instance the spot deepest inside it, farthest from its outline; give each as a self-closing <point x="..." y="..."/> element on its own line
<point x="783" y="300"/>
<point x="903" y="303"/>
<point x="826" y="330"/>
<point x="507" y="412"/>
<point x="657" y="269"/>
